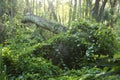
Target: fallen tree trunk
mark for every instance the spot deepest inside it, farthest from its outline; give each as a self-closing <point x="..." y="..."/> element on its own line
<point x="43" y="23"/>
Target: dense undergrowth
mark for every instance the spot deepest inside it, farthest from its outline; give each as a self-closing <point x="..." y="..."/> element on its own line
<point x="85" y="52"/>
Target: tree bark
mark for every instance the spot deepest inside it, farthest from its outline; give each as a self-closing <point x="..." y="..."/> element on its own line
<point x="88" y="7"/>
<point x="27" y="6"/>
<point x="100" y="17"/>
<point x="2" y="8"/>
<point x="43" y="23"/>
<point x="52" y="10"/>
<point x="80" y="9"/>
<point x="74" y="10"/>
<point x="112" y="10"/>
<point x="95" y="10"/>
<point x="70" y="12"/>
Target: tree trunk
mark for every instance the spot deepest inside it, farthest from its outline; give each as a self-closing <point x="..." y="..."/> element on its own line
<point x="100" y="17"/>
<point x="27" y="6"/>
<point x="89" y="7"/>
<point x="86" y="9"/>
<point x="43" y="23"/>
<point x="112" y="10"/>
<point x="2" y="8"/>
<point x="70" y="12"/>
<point x="36" y="8"/>
<point x="33" y="6"/>
<point x="52" y="10"/>
<point x="80" y="9"/>
<point x="74" y="10"/>
<point x="95" y="10"/>
<point x="44" y="8"/>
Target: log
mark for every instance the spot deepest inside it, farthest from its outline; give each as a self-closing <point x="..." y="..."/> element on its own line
<point x="43" y="23"/>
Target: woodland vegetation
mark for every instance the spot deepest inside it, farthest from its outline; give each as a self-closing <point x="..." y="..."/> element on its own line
<point x="59" y="40"/>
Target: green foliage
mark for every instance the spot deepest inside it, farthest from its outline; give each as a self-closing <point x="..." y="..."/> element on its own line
<point x="79" y="46"/>
<point x="17" y="32"/>
<point x="37" y="68"/>
<point x="65" y="50"/>
<point x="17" y="53"/>
<point x="2" y="67"/>
<point x="102" y="38"/>
<point x="26" y="55"/>
<point x="110" y="77"/>
<point x="27" y="66"/>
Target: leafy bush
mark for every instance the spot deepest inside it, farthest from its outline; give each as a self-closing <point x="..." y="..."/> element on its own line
<point x="78" y="47"/>
<point x="109" y="77"/>
<point x="82" y="74"/>
<point x="27" y="59"/>
<point x="2" y="66"/>
<point x="27" y="66"/>
<point x="64" y="50"/>
<point x="102" y="38"/>
<point x="17" y="57"/>
<point x="37" y="68"/>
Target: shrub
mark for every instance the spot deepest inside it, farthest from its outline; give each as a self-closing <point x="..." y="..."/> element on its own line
<point x="65" y="51"/>
<point x="27" y="66"/>
<point x="77" y="47"/>
<point x="102" y="38"/>
<point x="37" y="68"/>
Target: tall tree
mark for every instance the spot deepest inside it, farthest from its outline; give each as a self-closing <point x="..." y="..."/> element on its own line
<point x="33" y="6"/>
<point x="74" y="10"/>
<point x="45" y="8"/>
<point x="88" y="7"/>
<point x="70" y="12"/>
<point x="52" y="10"/>
<point x="95" y="9"/>
<point x="80" y="9"/>
<point x="101" y="13"/>
<point x="112" y="10"/>
<point x="27" y="6"/>
<point x="2" y="7"/>
<point x="36" y="8"/>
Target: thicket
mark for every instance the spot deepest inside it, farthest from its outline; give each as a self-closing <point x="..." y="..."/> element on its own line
<point x="85" y="42"/>
<point x="85" y="52"/>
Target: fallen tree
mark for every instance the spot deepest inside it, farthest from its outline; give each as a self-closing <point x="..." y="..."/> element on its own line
<point x="43" y="23"/>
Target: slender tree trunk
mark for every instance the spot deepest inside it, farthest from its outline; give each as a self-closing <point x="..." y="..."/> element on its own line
<point x="63" y="15"/>
<point x="44" y="8"/>
<point x="70" y="13"/>
<point x="89" y="6"/>
<point x="74" y="10"/>
<point x="80" y="9"/>
<point x="84" y="8"/>
<point x="100" y="17"/>
<point x="40" y="8"/>
<point x="36" y="8"/>
<point x="59" y="19"/>
<point x="119" y="7"/>
<point x="113" y="5"/>
<point x="33" y="5"/>
<point x="27" y="7"/>
<point x="52" y="10"/>
<point x="95" y="9"/>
